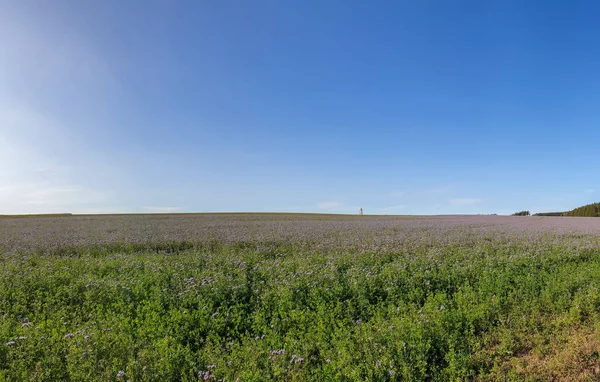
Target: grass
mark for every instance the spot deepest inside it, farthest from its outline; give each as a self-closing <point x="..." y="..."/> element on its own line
<point x="256" y="298"/>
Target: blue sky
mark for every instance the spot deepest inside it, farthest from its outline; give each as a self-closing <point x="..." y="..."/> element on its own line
<point x="399" y="107"/>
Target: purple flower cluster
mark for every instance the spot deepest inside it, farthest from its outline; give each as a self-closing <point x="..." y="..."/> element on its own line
<point x="265" y="232"/>
<point x="297" y="360"/>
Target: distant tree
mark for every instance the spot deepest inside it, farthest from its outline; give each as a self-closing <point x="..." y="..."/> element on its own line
<point x="521" y="213"/>
<point x="589" y="210"/>
<point x="549" y="214"/>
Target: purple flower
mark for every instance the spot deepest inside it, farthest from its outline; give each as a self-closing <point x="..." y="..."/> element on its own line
<point x="205" y="375"/>
<point x="69" y="335"/>
<point x="120" y="374"/>
<point x="10" y="343"/>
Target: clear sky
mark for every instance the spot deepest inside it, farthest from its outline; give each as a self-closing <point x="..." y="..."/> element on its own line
<point x="399" y="107"/>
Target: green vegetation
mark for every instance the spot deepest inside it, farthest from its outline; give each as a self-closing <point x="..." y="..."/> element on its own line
<point x="443" y="303"/>
<point x="549" y="214"/>
<point x="590" y="210"/>
<point x="521" y="213"/>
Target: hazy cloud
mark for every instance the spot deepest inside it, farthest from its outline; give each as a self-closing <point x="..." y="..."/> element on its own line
<point x="390" y="209"/>
<point x="329" y="205"/>
<point x="161" y="210"/>
<point x="441" y="189"/>
<point x="44" y="197"/>
<point x="48" y="165"/>
<point x="464" y="201"/>
<point x="38" y="174"/>
<point x="288" y="209"/>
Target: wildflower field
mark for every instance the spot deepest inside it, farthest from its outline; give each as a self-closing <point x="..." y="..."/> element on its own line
<point x="258" y="297"/>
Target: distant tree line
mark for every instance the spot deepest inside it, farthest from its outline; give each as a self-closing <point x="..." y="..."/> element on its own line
<point x="549" y="214"/>
<point x="521" y="213"/>
<point x="589" y="210"/>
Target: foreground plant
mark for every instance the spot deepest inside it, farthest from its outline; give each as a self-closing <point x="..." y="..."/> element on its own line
<point x="289" y="297"/>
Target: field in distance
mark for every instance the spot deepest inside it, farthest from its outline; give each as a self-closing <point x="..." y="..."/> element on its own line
<point x="299" y="297"/>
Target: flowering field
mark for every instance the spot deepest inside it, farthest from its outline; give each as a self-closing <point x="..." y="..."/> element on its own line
<point x="256" y="297"/>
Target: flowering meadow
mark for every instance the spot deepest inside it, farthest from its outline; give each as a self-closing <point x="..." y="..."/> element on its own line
<point x="299" y="297"/>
